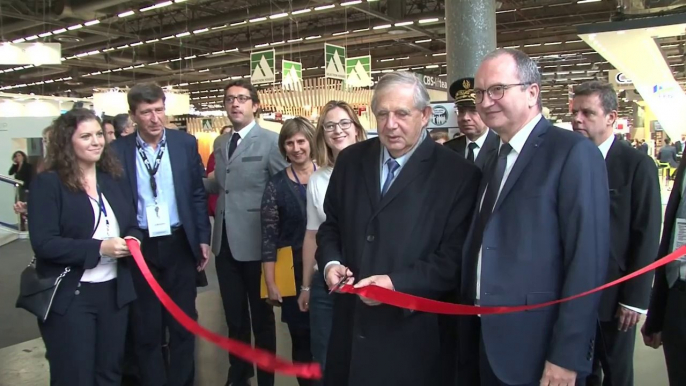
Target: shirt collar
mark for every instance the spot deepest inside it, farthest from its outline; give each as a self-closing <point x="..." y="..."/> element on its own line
<point x="517" y="142"/>
<point x="479" y="141"/>
<point x="144" y="144"/>
<point x="605" y="146"/>
<point x="402" y="160"/>
<point x="246" y="130"/>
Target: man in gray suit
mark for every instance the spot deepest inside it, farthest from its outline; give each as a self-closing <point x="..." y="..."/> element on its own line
<point x="245" y="159"/>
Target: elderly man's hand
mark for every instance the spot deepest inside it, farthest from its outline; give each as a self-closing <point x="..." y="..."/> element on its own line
<point x="383" y="281"/>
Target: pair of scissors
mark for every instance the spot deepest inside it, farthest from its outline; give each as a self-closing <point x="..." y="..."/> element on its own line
<point x="341" y="283"/>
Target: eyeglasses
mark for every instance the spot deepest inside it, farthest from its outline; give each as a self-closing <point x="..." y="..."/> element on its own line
<point x="344" y="124"/>
<point x="496" y="92"/>
<point x="241" y="98"/>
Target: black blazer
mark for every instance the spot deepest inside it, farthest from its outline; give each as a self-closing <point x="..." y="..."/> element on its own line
<point x="23" y="173"/>
<point x="414" y="234"/>
<point x="635" y="215"/>
<point x="658" y="298"/>
<point x="61" y="225"/>
<point x="491" y="145"/>
<point x="188" y="172"/>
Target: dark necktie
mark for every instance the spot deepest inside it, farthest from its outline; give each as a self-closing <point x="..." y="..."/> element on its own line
<point x="491" y="193"/>
<point x="470" y="153"/>
<point x="234" y="143"/>
<point x="392" y="166"/>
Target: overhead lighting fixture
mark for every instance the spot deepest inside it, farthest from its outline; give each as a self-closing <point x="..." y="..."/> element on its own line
<point x="93" y="52"/>
<point x="92" y="22"/>
<point x="219" y="27"/>
<point x="190" y="57"/>
<point x="279" y="15"/>
<point x="199" y="31"/>
<point x="32" y="37"/>
<point x="532" y="45"/>
<point x="295" y="40"/>
<point x="506" y="11"/>
<point x="348" y="3"/>
<point x="182" y="34"/>
<point x="386" y="60"/>
<point x="205" y="70"/>
<point x="323" y="7"/>
<point x="262" y="45"/>
<point x="306" y="10"/>
<point x="587" y="1"/>
<point x="383" y="26"/>
<point x="440" y="54"/>
<point x="168" y="37"/>
<point x="122" y="47"/>
<point x="125" y="14"/>
<point x="313" y="37"/>
<point x="425" y="21"/>
<point x="239" y="23"/>
<point x="404" y="23"/>
<point x="180" y="1"/>
<point x="431" y="66"/>
<point x="136" y="44"/>
<point x="152" y="41"/>
<point x="422" y="41"/>
<point x="75" y="27"/>
<point x="22" y="40"/>
<point x="277" y="43"/>
<point x="552" y="43"/>
<point x="159" y="5"/>
<point x="45" y="34"/>
<point x="59" y="31"/>
<point x="340" y="33"/>
<point x="361" y="30"/>
<point x="139" y="66"/>
<point x="257" y="19"/>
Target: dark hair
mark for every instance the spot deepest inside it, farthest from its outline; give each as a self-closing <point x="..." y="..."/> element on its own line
<point x="144" y="93"/>
<point x="26" y="158"/>
<point x="246" y="85"/>
<point x="667" y="141"/>
<point x="295" y="126"/>
<point x="221" y="131"/>
<point x="61" y="157"/>
<point x="607" y="94"/>
<point x="119" y="122"/>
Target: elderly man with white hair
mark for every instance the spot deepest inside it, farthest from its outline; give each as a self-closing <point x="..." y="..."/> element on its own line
<point x="398" y="208"/>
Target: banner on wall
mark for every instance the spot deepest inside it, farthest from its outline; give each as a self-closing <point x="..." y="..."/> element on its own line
<point x="263" y="67"/>
<point x="334" y="57"/>
<point x="359" y="71"/>
<point x="291" y="75"/>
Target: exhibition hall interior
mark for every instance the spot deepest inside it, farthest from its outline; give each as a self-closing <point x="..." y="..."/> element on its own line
<point x="57" y="56"/>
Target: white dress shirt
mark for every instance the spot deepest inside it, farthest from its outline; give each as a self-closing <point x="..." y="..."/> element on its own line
<point x="479" y="144"/>
<point x="517" y="142"/>
<point x="604" y="149"/>
<point x="106" y="269"/>
<point x="244" y="132"/>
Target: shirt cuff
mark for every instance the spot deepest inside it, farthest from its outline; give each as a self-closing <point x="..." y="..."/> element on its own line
<point x="640" y="311"/>
<point x="326" y="267"/>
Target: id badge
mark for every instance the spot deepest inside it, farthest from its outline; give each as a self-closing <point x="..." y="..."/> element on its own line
<point x="158" y="220"/>
<point x="680" y="235"/>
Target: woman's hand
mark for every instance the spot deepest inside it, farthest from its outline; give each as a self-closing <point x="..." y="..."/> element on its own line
<point x="274" y="297"/>
<point x="20" y="207"/>
<point x="304" y="301"/>
<point x="115" y="247"/>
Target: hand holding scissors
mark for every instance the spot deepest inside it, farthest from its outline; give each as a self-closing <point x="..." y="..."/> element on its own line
<point x="337" y="276"/>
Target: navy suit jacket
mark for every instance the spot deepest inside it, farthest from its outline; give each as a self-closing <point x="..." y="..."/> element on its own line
<point x="61" y="225"/>
<point x="547" y="238"/>
<point x="188" y="171"/>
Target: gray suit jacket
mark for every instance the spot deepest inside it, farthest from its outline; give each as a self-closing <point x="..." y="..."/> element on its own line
<point x="240" y="183"/>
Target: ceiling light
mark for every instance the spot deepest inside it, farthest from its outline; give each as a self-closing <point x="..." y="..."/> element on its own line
<point x="276" y="43"/>
<point x="116" y="70"/>
<point x="183" y="34"/>
<point x="168" y="37"/>
<point x="347" y="3"/>
<point x="306" y="10"/>
<point x="180" y="1"/>
<point x="199" y="31"/>
<point x="313" y="37"/>
<point x="92" y="22"/>
<point x="295" y="40"/>
<point x="219" y="27"/>
<point x="45" y="34"/>
<point x="159" y="5"/>
<point x="383" y="26"/>
<point x="22" y="40"/>
<point x="122" y="47"/>
<point x="205" y="70"/>
<point x="361" y="30"/>
<point x="261" y="45"/>
<point x="386" y="60"/>
<point x="278" y="15"/>
<point x="323" y="7"/>
<point x="257" y="19"/>
<point x="340" y="33"/>
<point x="33" y="37"/>
<point x="74" y="27"/>
<point x="422" y="41"/>
<point x="128" y="68"/>
<point x="404" y="23"/>
<point x="190" y="57"/>
<point x="59" y="31"/>
<point x="136" y="44"/>
<point x="139" y="66"/>
<point x="93" y="52"/>
<point x="552" y="43"/>
<point x="125" y="14"/>
<point x="108" y="49"/>
<point x="587" y="1"/>
<point x="239" y="23"/>
<point x="506" y="11"/>
<point x="440" y="54"/>
<point x="432" y="20"/>
<point x="431" y="66"/>
<point x="152" y="41"/>
<point x="532" y="45"/>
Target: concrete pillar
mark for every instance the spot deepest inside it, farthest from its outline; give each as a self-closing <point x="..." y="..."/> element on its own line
<point x="470" y="35"/>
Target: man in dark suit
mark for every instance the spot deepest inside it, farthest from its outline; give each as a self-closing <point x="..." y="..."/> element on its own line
<point x="540" y="235"/>
<point x="667" y="154"/>
<point x="635" y="214"/>
<point x="643" y="146"/>
<point x="397" y="212"/>
<point x="245" y="161"/>
<point x="164" y="173"/>
<point x="666" y="320"/>
<point x="679" y="145"/>
<point x="478" y="142"/>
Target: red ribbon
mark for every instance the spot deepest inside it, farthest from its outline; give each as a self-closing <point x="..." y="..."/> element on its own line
<point x="416" y="303"/>
<point x="265" y="360"/>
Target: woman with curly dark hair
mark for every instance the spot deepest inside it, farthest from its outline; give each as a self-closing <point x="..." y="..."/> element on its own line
<point x="79" y="217"/>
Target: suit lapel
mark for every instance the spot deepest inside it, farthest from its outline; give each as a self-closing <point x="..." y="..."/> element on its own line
<point x="414" y="166"/>
<point x="490" y="145"/>
<point x="130" y="163"/>
<point x="461" y="146"/>
<point x="246" y="143"/>
<point x="176" y="154"/>
<point x="370" y="169"/>
<point x="528" y="151"/>
<point x="613" y="159"/>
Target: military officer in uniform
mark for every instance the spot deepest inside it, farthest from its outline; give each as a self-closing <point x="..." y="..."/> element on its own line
<point x="477" y="141"/>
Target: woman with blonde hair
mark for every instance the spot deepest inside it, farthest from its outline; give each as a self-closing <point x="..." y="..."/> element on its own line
<point x="338" y="128"/>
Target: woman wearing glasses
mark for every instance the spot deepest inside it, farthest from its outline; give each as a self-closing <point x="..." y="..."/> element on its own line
<point x="79" y="217"/>
<point x="338" y="128"/>
<point x="283" y="225"/>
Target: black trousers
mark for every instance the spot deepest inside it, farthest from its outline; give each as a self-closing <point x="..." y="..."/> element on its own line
<point x="674" y="334"/>
<point x="173" y="264"/>
<point x="239" y="284"/>
<point x="614" y="355"/>
<point x="300" y="349"/>
<point x="85" y="346"/>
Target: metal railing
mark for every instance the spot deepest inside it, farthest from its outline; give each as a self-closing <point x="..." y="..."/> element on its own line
<point x="10" y="190"/>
